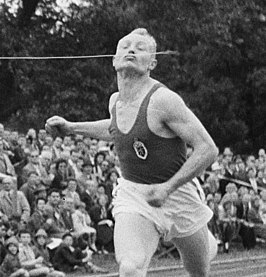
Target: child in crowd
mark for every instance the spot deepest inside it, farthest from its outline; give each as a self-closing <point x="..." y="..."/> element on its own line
<point x="40" y="250"/>
<point x="11" y="266"/>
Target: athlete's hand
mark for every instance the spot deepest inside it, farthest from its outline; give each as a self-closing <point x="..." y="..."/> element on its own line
<point x="57" y="125"/>
<point x="158" y="194"/>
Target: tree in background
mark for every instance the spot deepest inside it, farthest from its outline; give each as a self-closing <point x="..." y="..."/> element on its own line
<point x="220" y="69"/>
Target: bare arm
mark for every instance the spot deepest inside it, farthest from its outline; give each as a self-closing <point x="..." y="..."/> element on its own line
<point x="183" y="123"/>
<point x="95" y="129"/>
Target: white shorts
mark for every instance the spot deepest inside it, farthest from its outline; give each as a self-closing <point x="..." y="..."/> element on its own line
<point x="182" y="215"/>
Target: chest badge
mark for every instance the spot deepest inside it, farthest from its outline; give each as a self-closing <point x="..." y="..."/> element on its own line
<point x="140" y="149"/>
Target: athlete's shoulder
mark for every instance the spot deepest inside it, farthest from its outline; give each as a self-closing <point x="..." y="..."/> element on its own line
<point x="112" y="100"/>
<point x="163" y="98"/>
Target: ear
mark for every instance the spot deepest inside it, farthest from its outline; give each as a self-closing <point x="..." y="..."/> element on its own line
<point x="153" y="64"/>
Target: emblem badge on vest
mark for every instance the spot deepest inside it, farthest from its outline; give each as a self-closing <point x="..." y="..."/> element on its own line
<point x="140" y="149"/>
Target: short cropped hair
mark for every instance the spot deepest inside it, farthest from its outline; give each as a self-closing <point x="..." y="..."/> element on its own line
<point x="144" y="32"/>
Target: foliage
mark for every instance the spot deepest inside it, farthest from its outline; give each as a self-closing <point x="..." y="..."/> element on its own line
<point x="220" y="71"/>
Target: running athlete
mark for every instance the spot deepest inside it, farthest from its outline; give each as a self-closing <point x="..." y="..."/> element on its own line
<point x="157" y="194"/>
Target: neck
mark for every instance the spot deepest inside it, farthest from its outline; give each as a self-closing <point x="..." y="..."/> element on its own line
<point x="131" y="87"/>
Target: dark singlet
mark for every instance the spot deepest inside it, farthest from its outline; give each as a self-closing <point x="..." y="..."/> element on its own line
<point x="144" y="156"/>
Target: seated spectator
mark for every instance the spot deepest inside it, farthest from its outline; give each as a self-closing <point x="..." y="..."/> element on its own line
<point x="228" y="225"/>
<point x="52" y="210"/>
<point x="262" y="209"/>
<point x="11" y="266"/>
<point x="89" y="195"/>
<point x="255" y="218"/>
<point x="111" y="183"/>
<point x="34" y="164"/>
<point x="71" y="191"/>
<point x="68" y="209"/>
<point x="27" y="257"/>
<point x="57" y="148"/>
<point x="6" y="167"/>
<point x="38" y="218"/>
<point x="13" y="202"/>
<point x="40" y="249"/>
<point x="251" y="173"/>
<point x="29" y="188"/>
<point x="246" y="230"/>
<point x="82" y="225"/>
<point x="68" y="259"/>
<point x="87" y="174"/>
<point x="61" y="175"/>
<point x="3" y="229"/>
<point x="102" y="218"/>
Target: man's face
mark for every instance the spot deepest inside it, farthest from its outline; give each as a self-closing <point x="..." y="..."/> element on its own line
<point x="7" y="135"/>
<point x="55" y="198"/>
<point x="93" y="150"/>
<point x="34" y="179"/>
<point x="34" y="157"/>
<point x="67" y="141"/>
<point x="22" y="141"/>
<point x="72" y="185"/>
<point x="68" y="240"/>
<point x="2" y="231"/>
<point x="7" y="184"/>
<point x="49" y="140"/>
<point x="75" y="156"/>
<point x="133" y="53"/>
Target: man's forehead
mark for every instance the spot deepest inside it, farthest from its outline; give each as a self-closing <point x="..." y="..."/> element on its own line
<point x="135" y="37"/>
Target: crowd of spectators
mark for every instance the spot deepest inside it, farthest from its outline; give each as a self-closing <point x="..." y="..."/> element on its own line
<point x="56" y="201"/>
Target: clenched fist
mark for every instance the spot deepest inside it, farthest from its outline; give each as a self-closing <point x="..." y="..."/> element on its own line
<point x="57" y="126"/>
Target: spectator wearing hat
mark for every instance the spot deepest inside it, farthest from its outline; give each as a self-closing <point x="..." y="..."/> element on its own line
<point x="27" y="257"/>
<point x="40" y="249"/>
<point x="11" y="266"/>
<point x="11" y="200"/>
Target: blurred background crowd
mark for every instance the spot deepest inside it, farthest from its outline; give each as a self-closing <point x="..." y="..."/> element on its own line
<point x="58" y="192"/>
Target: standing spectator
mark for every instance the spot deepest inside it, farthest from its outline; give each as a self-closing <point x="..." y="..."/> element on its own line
<point x="11" y="266"/>
<point x="8" y="203"/>
<point x="27" y="257"/>
<point x="261" y="181"/>
<point x="6" y="166"/>
<point x="92" y="152"/>
<point x="40" y="250"/>
<point x="66" y="213"/>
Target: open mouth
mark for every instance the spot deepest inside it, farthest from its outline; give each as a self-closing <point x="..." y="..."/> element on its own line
<point x="129" y="57"/>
